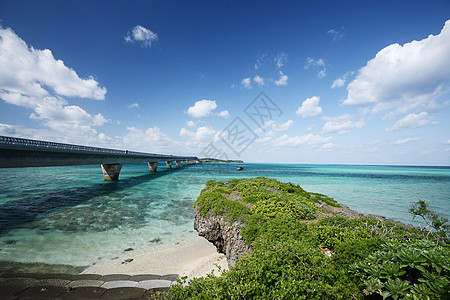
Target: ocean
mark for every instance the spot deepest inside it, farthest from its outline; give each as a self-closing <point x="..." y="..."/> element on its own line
<point x="70" y="216"/>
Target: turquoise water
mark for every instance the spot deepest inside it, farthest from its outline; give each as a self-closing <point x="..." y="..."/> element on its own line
<point x="69" y="215"/>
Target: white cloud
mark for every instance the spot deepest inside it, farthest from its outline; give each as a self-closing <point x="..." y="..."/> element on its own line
<point x="224" y="114"/>
<point x="411" y="121"/>
<point x="141" y="35"/>
<point x="280" y="59"/>
<point x="202" y="108"/>
<point x="283" y="80"/>
<point x="322" y="74"/>
<point x="448" y="142"/>
<point x="247" y="83"/>
<point x="311" y="62"/>
<point x="28" y="71"/>
<point x="151" y="140"/>
<point x="34" y="79"/>
<point x="337" y="35"/>
<point x="309" y="108"/>
<point x="401" y="78"/>
<point x="406" y="140"/>
<point x="259" y="80"/>
<point x="200" y="138"/>
<point x="308" y="139"/>
<point x="190" y="123"/>
<point x="273" y="130"/>
<point x="338" y="83"/>
<point x="134" y="105"/>
<point x="201" y="134"/>
<point x="104" y="137"/>
<point x="341" y="124"/>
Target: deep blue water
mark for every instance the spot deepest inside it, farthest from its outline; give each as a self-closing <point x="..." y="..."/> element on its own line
<point x="69" y="215"/>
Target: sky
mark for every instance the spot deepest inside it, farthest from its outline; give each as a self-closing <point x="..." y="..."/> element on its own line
<point x="314" y="82"/>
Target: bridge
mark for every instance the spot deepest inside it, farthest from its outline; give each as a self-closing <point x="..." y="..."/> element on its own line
<point x="19" y="153"/>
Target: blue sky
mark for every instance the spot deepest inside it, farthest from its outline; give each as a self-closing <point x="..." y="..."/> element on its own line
<point x="355" y="82"/>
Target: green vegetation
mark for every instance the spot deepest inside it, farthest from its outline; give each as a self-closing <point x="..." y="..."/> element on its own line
<point x="215" y="160"/>
<point x="418" y="270"/>
<point x="302" y="250"/>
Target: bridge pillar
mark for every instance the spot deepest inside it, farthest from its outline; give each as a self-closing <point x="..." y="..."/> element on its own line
<point x="169" y="164"/>
<point x="152" y="165"/>
<point x="177" y="163"/>
<point x="111" y="171"/>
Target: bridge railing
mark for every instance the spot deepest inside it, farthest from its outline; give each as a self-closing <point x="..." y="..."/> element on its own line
<point x="61" y="146"/>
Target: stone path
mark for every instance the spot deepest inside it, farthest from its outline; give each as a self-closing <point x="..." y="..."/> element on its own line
<point x="85" y="286"/>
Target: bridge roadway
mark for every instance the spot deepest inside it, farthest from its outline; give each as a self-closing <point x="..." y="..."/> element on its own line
<point x="18" y="153"/>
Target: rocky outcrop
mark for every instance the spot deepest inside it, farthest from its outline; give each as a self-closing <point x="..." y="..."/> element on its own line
<point x="225" y="235"/>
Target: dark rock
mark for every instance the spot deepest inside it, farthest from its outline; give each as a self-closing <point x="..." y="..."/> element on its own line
<point x="225" y="235"/>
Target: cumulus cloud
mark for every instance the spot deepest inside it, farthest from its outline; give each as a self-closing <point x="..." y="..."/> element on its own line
<point x="271" y="129"/>
<point x="341" y="124"/>
<point x="203" y="133"/>
<point x="149" y="140"/>
<point x="404" y="77"/>
<point x="190" y="123"/>
<point x="247" y="83"/>
<point x="411" y="121"/>
<point x="308" y="139"/>
<point x="204" y="108"/>
<point x="340" y="82"/>
<point x="406" y="140"/>
<point x="224" y="114"/>
<point x="283" y="80"/>
<point x="134" y="105"/>
<point x="200" y="137"/>
<point x="311" y="62"/>
<point x="259" y="80"/>
<point x="34" y="79"/>
<point x="141" y="35"/>
<point x="309" y="108"/>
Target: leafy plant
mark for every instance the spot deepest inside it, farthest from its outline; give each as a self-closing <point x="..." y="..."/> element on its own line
<point x="406" y="270"/>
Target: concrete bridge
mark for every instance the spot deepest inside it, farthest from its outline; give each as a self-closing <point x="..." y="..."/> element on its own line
<point x="18" y="153"/>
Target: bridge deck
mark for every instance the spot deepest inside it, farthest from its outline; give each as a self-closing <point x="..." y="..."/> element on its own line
<point x="17" y="152"/>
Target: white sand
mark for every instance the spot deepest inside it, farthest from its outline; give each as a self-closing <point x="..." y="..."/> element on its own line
<point x="192" y="258"/>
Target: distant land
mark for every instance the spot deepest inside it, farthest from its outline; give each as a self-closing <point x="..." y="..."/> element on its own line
<point x="214" y="160"/>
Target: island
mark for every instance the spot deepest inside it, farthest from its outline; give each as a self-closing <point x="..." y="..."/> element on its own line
<point x="215" y="160"/>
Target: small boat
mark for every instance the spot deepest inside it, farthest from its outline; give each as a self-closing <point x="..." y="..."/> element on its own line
<point x="240" y="168"/>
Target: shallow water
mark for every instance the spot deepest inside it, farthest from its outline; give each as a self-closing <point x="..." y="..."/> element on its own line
<point x="69" y="215"/>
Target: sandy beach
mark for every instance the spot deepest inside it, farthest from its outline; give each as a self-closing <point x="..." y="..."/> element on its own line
<point x="192" y="258"/>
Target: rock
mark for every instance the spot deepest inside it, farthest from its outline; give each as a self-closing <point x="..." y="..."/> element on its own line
<point x="224" y="235"/>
